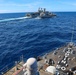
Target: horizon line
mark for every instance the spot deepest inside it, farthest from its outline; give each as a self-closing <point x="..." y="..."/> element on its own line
<point x="34" y="11"/>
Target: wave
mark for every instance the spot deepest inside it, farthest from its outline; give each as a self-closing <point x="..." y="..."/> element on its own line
<point x="11" y="19"/>
<point x="37" y="18"/>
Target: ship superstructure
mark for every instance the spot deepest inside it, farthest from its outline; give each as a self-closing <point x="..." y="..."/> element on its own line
<point x="41" y="13"/>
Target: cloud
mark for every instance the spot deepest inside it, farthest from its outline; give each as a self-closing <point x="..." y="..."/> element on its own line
<point x="15" y="4"/>
<point x="73" y="4"/>
<point x="2" y="11"/>
<point x="69" y="3"/>
<point x="17" y="7"/>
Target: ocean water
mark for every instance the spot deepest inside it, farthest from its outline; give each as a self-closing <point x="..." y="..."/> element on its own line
<point x="33" y="37"/>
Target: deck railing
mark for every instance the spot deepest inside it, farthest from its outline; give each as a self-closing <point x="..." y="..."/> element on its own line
<point x="11" y="65"/>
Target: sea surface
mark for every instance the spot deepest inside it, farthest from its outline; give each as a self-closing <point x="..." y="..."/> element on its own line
<point x="33" y="37"/>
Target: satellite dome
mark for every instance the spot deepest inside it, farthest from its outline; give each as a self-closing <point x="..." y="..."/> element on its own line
<point x="51" y="69"/>
<point x="32" y="65"/>
<point x="31" y="61"/>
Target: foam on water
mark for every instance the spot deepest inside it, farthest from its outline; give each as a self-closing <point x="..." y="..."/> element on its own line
<point x="37" y="18"/>
<point x="11" y="19"/>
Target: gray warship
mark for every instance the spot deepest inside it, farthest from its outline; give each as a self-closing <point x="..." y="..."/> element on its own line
<point x="41" y="13"/>
<point x="61" y="61"/>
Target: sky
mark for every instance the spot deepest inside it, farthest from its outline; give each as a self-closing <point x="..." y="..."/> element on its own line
<point x="9" y="6"/>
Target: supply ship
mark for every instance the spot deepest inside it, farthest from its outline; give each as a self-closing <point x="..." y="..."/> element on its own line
<point x="41" y="13"/>
<point x="61" y="61"/>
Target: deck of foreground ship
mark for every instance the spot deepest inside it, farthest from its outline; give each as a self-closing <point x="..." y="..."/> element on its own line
<point x="63" y="58"/>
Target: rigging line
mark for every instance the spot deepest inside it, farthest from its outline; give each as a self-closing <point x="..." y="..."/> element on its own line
<point x="72" y="34"/>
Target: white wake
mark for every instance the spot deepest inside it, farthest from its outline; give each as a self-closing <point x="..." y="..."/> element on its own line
<point x="11" y="19"/>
